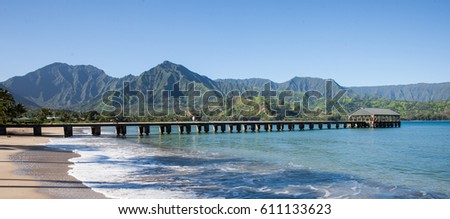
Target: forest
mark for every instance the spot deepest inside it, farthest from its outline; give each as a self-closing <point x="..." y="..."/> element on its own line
<point x="239" y="109"/>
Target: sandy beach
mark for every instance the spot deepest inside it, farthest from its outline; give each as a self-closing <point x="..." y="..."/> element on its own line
<point x="29" y="170"/>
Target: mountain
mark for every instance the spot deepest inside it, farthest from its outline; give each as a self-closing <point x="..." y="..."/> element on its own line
<point x="227" y="85"/>
<point x="166" y="74"/>
<point x="296" y="84"/>
<point x="60" y="85"/>
<point x="412" y="92"/>
<point x="303" y="84"/>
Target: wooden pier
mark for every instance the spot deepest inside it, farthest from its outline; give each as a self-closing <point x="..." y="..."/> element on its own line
<point x="143" y="128"/>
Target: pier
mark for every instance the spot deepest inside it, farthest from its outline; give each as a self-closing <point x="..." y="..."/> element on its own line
<point x="143" y="128"/>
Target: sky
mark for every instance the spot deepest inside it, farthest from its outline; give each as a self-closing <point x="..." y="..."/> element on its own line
<point x="357" y="43"/>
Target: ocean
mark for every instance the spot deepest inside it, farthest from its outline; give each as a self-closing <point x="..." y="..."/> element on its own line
<point x="408" y="162"/>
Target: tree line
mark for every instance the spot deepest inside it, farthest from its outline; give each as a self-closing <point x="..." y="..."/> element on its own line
<point x="9" y="109"/>
<point x="12" y="112"/>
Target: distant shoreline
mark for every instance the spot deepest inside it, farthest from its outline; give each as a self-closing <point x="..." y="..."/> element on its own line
<point x="425" y="120"/>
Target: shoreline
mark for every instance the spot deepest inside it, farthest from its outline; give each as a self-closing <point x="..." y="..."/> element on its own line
<point x="31" y="170"/>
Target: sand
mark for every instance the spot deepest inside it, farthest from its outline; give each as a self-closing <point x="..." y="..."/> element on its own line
<point x="29" y="170"/>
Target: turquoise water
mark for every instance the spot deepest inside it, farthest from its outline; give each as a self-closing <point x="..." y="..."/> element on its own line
<point x="408" y="162"/>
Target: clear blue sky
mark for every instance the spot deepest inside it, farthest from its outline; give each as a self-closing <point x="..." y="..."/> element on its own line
<point x="357" y="42"/>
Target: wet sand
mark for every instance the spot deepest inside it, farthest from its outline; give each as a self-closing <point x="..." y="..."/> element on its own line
<point x="29" y="170"/>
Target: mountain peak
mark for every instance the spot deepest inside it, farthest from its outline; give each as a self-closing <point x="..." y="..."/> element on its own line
<point x="65" y="68"/>
<point x="58" y="64"/>
<point x="168" y="64"/>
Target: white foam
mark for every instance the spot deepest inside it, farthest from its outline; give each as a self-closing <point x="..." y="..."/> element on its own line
<point x="119" y="168"/>
<point x="104" y="165"/>
<point x="327" y="193"/>
<point x="264" y="189"/>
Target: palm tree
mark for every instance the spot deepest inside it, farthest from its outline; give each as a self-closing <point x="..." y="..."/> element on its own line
<point x="8" y="107"/>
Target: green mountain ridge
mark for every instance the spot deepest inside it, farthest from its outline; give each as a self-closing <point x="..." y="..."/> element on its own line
<point x="64" y="86"/>
<point x="59" y="85"/>
<point x="412" y="92"/>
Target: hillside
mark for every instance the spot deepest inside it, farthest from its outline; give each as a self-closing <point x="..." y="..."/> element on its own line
<point x="59" y="85"/>
<point x="64" y="86"/>
<point x="411" y="92"/>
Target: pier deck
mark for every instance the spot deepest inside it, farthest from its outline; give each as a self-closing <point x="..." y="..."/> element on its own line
<point x="201" y="126"/>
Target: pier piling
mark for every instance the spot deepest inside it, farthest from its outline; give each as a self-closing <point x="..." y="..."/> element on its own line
<point x="140" y="130"/>
<point x="185" y="127"/>
<point x="230" y="128"/>
<point x="96" y="130"/>
<point x="147" y="129"/>
<point x="3" y="131"/>
<point x="68" y="131"/>
<point x="117" y="130"/>
<point x="180" y="129"/>
<point x="121" y="130"/>
<point x="37" y="130"/>
<point x="124" y="130"/>
<point x="291" y="127"/>
<point x="301" y="127"/>
<point x="161" y="129"/>
<point x="278" y="127"/>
